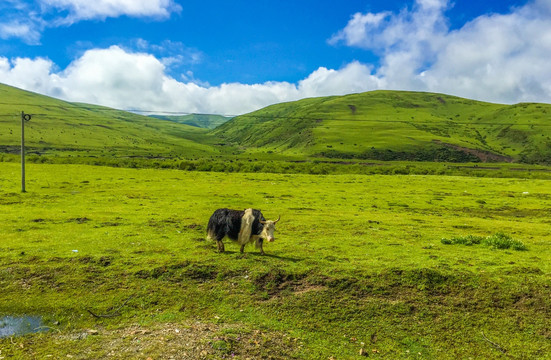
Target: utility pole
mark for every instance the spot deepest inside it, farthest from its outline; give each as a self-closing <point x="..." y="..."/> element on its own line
<point x="24" y="117"/>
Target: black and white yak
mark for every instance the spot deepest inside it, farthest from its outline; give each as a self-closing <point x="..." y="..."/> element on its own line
<point x="242" y="226"/>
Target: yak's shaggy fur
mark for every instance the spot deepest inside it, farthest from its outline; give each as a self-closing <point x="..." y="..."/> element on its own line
<point x="241" y="226"/>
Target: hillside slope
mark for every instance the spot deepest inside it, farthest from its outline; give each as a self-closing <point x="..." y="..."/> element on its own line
<point x="379" y="125"/>
<point x="397" y="125"/>
<point x="63" y="128"/>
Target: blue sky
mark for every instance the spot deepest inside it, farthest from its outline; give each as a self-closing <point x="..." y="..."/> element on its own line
<point x="234" y="57"/>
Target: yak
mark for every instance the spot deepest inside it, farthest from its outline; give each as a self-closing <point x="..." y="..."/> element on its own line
<point x="243" y="226"/>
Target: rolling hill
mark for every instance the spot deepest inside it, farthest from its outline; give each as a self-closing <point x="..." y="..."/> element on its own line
<point x="378" y="125"/>
<point x="397" y="125"/>
<point x="62" y="128"/>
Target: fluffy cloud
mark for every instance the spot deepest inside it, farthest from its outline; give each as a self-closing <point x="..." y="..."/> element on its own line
<point x="501" y="58"/>
<point x="86" y="9"/>
<point x="360" y="30"/>
<point x="19" y="20"/>
<point x="18" y="29"/>
<point x="385" y="32"/>
<point x="139" y="81"/>
<point x="353" y="78"/>
<point x="27" y="20"/>
<point x="34" y="75"/>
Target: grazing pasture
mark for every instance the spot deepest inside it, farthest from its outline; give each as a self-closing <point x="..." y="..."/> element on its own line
<point x="116" y="263"/>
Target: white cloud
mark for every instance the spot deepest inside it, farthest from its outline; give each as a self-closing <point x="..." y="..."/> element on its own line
<point x="139" y="81"/>
<point x="20" y="20"/>
<point x="502" y="58"/>
<point x="112" y="76"/>
<point x="101" y="9"/>
<point x="33" y="75"/>
<point x="173" y="54"/>
<point x="27" y="19"/>
<point x="353" y="78"/>
<point x="383" y="32"/>
<point x="17" y="29"/>
<point x="499" y="57"/>
<point x="359" y="29"/>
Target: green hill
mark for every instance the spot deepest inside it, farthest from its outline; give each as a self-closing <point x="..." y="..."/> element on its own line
<point x="72" y="129"/>
<point x="206" y="121"/>
<point x="379" y="125"/>
<point x="396" y="125"/>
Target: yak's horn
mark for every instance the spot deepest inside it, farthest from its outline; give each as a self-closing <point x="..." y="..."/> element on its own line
<point x="278" y="218"/>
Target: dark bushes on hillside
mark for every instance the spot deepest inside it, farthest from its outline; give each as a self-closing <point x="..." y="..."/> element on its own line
<point x="316" y="167"/>
<point x="438" y="154"/>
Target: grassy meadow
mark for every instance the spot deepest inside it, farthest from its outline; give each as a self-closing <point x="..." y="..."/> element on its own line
<point x="116" y="262"/>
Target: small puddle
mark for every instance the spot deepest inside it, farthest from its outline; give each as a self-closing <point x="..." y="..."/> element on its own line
<point x="20" y="325"/>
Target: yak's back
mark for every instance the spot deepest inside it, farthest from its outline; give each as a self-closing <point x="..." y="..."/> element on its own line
<point x="229" y="222"/>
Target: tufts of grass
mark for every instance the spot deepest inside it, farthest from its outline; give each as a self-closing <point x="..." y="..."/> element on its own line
<point x="467" y="240"/>
<point x="498" y="240"/>
<point x="503" y="241"/>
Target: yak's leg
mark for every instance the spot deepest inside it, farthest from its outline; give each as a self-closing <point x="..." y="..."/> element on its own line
<point x="259" y="245"/>
<point x="242" y="248"/>
<point x="216" y="233"/>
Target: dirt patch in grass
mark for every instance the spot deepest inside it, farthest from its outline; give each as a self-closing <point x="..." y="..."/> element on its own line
<point x="197" y="227"/>
<point x="180" y="272"/>
<point x="275" y="281"/>
<point x="80" y="220"/>
<point x="190" y="340"/>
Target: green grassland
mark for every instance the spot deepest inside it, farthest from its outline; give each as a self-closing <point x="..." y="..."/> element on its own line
<point x="368" y="259"/>
<point x="358" y="264"/>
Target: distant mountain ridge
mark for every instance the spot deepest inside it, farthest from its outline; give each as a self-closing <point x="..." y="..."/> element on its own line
<point x="205" y="121"/>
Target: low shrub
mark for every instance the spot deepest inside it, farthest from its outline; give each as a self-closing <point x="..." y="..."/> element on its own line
<point x="498" y="240"/>
<point x="504" y="241"/>
<point x="464" y="240"/>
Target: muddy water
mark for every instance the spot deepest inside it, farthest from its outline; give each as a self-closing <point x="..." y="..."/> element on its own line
<point x="20" y="325"/>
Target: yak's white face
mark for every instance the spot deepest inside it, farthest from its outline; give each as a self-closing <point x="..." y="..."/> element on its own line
<point x="268" y="230"/>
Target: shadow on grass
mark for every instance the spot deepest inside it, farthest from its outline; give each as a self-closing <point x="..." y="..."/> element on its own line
<point x="259" y="255"/>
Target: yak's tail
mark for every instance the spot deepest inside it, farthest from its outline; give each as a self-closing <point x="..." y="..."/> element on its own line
<point x="210" y="234"/>
<point x="246" y="227"/>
